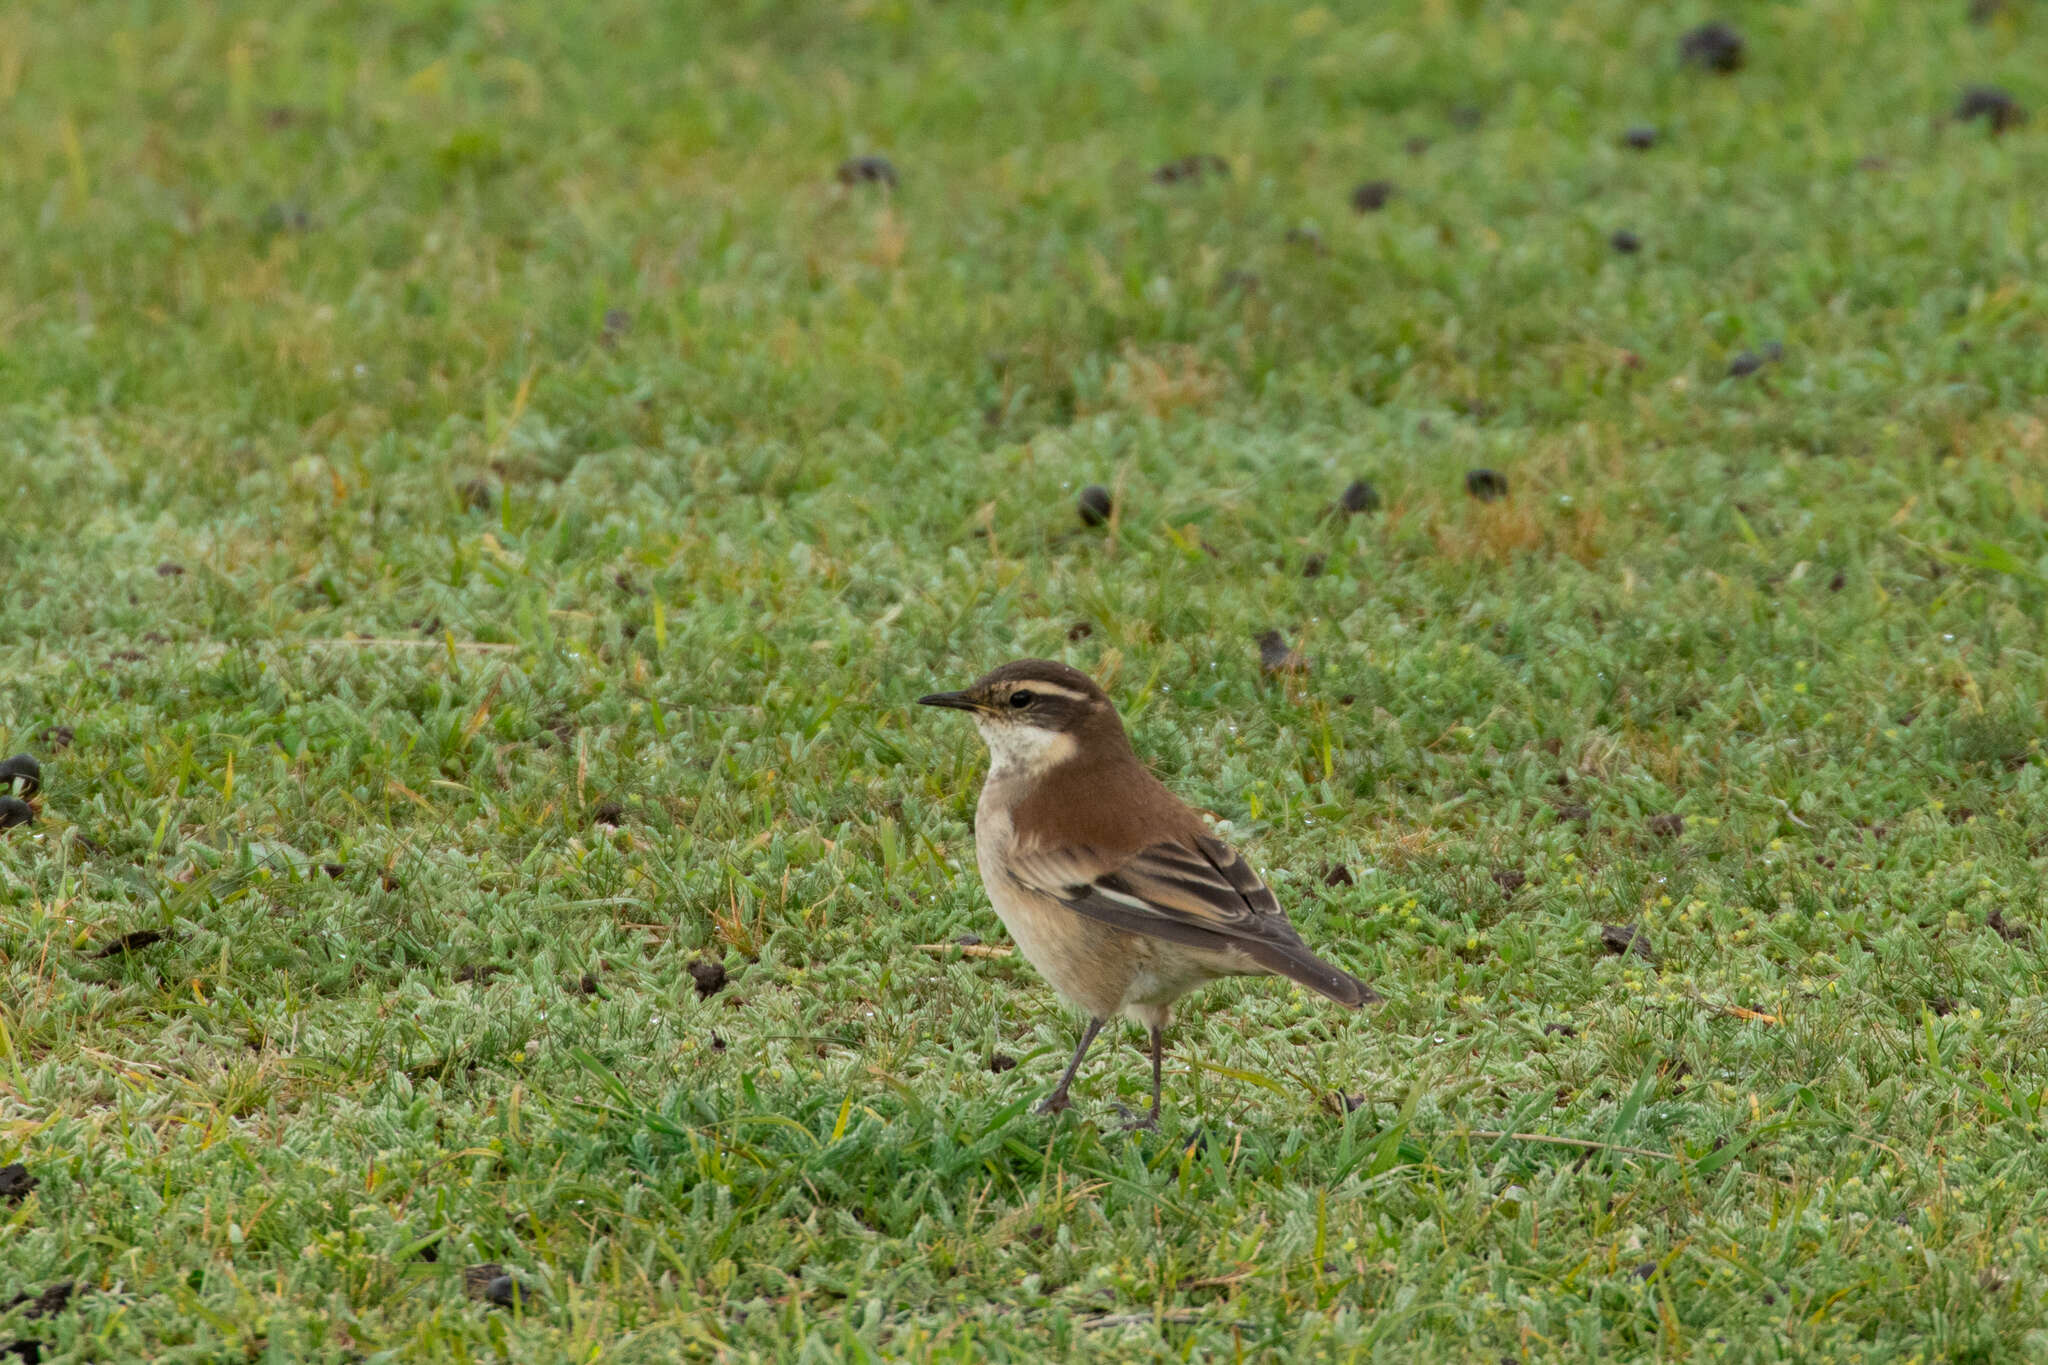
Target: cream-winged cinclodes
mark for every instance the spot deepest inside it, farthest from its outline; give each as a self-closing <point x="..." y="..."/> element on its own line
<point x="1112" y="887"/>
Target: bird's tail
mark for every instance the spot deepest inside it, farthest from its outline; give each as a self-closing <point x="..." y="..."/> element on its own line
<point x="1295" y="962"/>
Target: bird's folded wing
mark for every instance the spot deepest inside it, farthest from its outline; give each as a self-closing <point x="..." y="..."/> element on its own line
<point x="1198" y="893"/>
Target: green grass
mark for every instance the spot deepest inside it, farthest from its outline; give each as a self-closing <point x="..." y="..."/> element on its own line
<point x="312" y="302"/>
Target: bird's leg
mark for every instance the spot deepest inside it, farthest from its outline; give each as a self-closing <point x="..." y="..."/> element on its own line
<point x="1057" y="1100"/>
<point x="1151" y="1120"/>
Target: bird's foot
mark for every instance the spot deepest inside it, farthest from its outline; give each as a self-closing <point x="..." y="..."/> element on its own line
<point x="1134" y="1124"/>
<point x="1055" y="1103"/>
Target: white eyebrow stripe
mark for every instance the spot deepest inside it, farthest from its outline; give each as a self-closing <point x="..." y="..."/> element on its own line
<point x="1054" y="688"/>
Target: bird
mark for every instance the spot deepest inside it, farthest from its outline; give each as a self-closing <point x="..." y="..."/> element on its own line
<point x="1114" y="889"/>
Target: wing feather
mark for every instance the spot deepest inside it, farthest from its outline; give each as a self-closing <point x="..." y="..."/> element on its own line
<point x="1200" y="894"/>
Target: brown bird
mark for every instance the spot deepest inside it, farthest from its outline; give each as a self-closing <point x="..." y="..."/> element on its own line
<point x="1112" y="887"/>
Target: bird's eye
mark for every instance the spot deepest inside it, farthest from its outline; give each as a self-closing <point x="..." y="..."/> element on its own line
<point x="1021" y="699"/>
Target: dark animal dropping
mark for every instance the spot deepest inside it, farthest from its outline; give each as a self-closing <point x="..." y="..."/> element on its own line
<point x="1642" y="137"/>
<point x="1626" y="938"/>
<point x="1275" y="657"/>
<point x="1336" y="874"/>
<point x="1995" y="106"/>
<point x="1313" y="566"/>
<point x="133" y="942"/>
<point x="867" y="170"/>
<point x="23" y="774"/>
<point x="1189" y="168"/>
<point x="51" y="1301"/>
<point x="1487" y="485"/>
<point x="15" y="1182"/>
<point x="1358" y="496"/>
<point x="1626" y="242"/>
<point x="1372" y="196"/>
<point x="999" y="1062"/>
<point x="1094" y="505"/>
<point x="709" y="974"/>
<point x="1744" y="364"/>
<point x="1714" y="47"/>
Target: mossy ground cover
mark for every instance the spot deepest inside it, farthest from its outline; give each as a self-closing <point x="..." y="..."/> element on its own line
<point x="479" y="494"/>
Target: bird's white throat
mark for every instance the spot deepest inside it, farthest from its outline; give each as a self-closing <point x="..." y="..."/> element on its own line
<point x="1019" y="750"/>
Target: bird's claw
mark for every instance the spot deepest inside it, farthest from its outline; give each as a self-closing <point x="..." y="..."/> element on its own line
<point x="1134" y="1124"/>
<point x="1055" y="1103"/>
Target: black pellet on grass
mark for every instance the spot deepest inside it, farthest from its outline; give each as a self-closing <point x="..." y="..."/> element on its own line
<point x="1744" y="364"/>
<point x="1625" y="242"/>
<point x="16" y="1182"/>
<point x="1641" y="138"/>
<point x="1372" y="196"/>
<point x="1275" y="657"/>
<point x="999" y="1062"/>
<point x="1189" y="168"/>
<point x="1358" y="496"/>
<point x="133" y="941"/>
<point x="709" y="974"/>
<point x="1713" y="47"/>
<point x="867" y="170"/>
<point x="1487" y="485"/>
<point x="1995" y="106"/>
<point x="1336" y="874"/>
<point x="22" y="774"/>
<point x="1620" y="939"/>
<point x="1094" y="505"/>
<point x="1313" y="566"/>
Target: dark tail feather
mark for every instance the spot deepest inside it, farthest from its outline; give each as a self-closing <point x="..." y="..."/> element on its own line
<point x="1297" y="963"/>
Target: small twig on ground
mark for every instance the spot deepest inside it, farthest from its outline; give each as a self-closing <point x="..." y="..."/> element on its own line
<point x="967" y="949"/>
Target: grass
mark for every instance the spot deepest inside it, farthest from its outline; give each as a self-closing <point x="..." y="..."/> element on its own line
<point x="422" y="425"/>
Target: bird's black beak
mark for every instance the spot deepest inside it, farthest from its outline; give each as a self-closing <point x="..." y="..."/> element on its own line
<point x="958" y="701"/>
